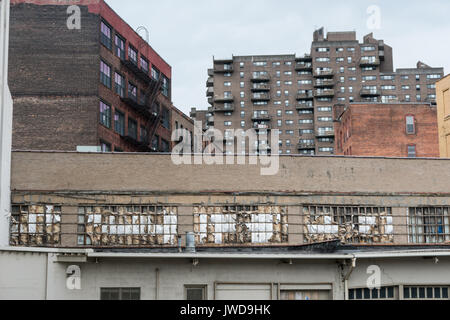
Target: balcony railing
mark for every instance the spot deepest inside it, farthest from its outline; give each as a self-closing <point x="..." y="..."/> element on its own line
<point x="324" y="73"/>
<point x="223" y="108"/>
<point x="325" y="133"/>
<point x="368" y="62"/>
<point x="210" y="82"/>
<point x="223" y="68"/>
<point x="261" y="97"/>
<point x="260" y="78"/>
<point x="324" y="83"/>
<point x="141" y="74"/>
<point x="305" y="96"/>
<point x="260" y="87"/>
<point x="303" y="66"/>
<point x="223" y="98"/>
<point x="305" y="58"/>
<point x="261" y="117"/>
<point x="369" y="92"/>
<point x="324" y="93"/>
<point x="305" y="106"/>
<point x="306" y="146"/>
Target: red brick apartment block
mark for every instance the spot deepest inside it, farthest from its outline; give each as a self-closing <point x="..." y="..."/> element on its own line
<point x="387" y="130"/>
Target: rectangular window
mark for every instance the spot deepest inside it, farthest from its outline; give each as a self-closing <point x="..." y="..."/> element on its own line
<point x="143" y="134"/>
<point x="119" y="122"/>
<point x="105" y="146"/>
<point x="412" y="152"/>
<point x="120" y="47"/>
<point x="410" y="125"/>
<point x="120" y="294"/>
<point x="425" y="293"/>
<point x="132" y="54"/>
<point x="165" y="86"/>
<point x="105" y="114"/>
<point x="195" y="293"/>
<point x="155" y="73"/>
<point x="383" y="293"/>
<point x="119" y="81"/>
<point x="132" y="128"/>
<point x="105" y="74"/>
<point x="132" y="92"/>
<point x="144" y="64"/>
<point x="35" y="225"/>
<point x="165" y="118"/>
<point x="105" y="37"/>
<point x="428" y="225"/>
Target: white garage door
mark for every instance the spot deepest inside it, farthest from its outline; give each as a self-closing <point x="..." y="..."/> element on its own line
<point x="243" y="292"/>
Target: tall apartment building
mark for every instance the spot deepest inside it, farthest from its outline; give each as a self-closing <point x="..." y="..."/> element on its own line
<point x="100" y="85"/>
<point x="443" y="102"/>
<point x="296" y="95"/>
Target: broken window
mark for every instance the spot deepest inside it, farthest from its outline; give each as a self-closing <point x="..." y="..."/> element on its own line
<point x="35" y="225"/>
<point x="348" y="224"/>
<point x="120" y="294"/>
<point x="127" y="225"/>
<point x="428" y="225"/>
<point x="240" y="224"/>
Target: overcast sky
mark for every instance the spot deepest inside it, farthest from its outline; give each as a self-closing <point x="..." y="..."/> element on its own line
<point x="188" y="33"/>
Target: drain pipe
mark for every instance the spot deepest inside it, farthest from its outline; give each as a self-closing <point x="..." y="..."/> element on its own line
<point x="157" y="284"/>
<point x="347" y="276"/>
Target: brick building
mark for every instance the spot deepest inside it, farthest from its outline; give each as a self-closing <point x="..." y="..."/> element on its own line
<point x="443" y="103"/>
<point x="296" y="95"/>
<point x="101" y="85"/>
<point x="388" y="130"/>
<point x="311" y="231"/>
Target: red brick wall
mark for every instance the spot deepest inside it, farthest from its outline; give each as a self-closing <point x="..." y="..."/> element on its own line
<point x="380" y="130"/>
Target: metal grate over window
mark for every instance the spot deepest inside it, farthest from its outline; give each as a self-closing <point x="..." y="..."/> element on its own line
<point x="127" y="226"/>
<point x="428" y="225"/>
<point x="240" y="224"/>
<point x="35" y="225"/>
<point x="348" y="224"/>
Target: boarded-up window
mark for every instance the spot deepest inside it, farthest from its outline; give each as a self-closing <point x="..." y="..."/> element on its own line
<point x="127" y="225"/>
<point x="348" y="224"/>
<point x="35" y="225"/>
<point x="240" y="224"/>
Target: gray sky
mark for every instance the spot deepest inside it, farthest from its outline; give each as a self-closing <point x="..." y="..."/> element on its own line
<point x="188" y="33"/>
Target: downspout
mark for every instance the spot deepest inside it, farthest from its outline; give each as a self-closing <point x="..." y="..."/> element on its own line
<point x="157" y="284"/>
<point x="347" y="276"/>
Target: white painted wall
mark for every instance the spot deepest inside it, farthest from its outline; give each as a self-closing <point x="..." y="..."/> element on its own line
<point x="5" y="126"/>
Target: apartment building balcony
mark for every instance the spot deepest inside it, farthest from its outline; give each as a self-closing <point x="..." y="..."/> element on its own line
<point x="261" y="97"/>
<point x="305" y="96"/>
<point x="223" y="98"/>
<point x="260" y="87"/>
<point x="260" y="78"/>
<point x="324" y="93"/>
<point x="324" y="73"/>
<point x="305" y="106"/>
<point x="223" y="108"/>
<point x="211" y="72"/>
<point x="262" y="126"/>
<point x="369" y="62"/>
<point x="370" y="93"/>
<point x="210" y="92"/>
<point x="210" y="82"/>
<point x="324" y="133"/>
<point x="210" y="120"/>
<point x="211" y="100"/>
<point x="305" y="58"/>
<point x="223" y="68"/>
<point x="323" y="83"/>
<point x="261" y="117"/>
<point x="133" y="67"/>
<point x="303" y="66"/>
<point x="306" y="146"/>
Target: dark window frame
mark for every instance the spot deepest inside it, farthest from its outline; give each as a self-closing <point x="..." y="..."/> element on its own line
<point x="104" y="78"/>
<point x="105" y="119"/>
<point x="119" y="89"/>
<point x="202" y="287"/>
<point x="414" y="131"/>
<point x="131" y="49"/>
<point x="105" y="41"/>
<point x="120" y="292"/>
<point x="117" y="129"/>
<point x="132" y="128"/>
<point x="120" y="52"/>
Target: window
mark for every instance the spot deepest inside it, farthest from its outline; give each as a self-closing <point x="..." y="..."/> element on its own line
<point x="105" y="146"/>
<point x="155" y="73"/>
<point x="120" y="47"/>
<point x="144" y="64"/>
<point x="132" y="128"/>
<point x="143" y="134"/>
<point x="368" y="48"/>
<point x="119" y="122"/>
<point x="241" y="84"/>
<point x="242" y="124"/>
<point x="105" y="74"/>
<point x="165" y="118"/>
<point x="387" y="87"/>
<point x="195" y="293"/>
<point x="164" y="146"/>
<point x="165" y="86"/>
<point x="369" y="78"/>
<point x="425" y="292"/>
<point x="322" y="49"/>
<point x="227" y="84"/>
<point x="132" y="54"/>
<point x="241" y="64"/>
<point x="120" y="294"/>
<point x="105" y="114"/>
<point x="384" y="293"/>
<point x="322" y="59"/>
<point x="119" y="81"/>
<point x="410" y="125"/>
<point x="132" y="92"/>
<point x="433" y="76"/>
<point x="387" y="77"/>
<point x="105" y="37"/>
<point x="428" y="225"/>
